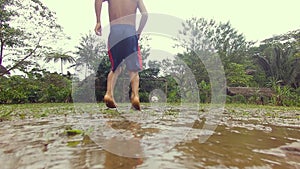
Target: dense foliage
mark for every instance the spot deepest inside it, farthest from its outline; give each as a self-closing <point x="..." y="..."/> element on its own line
<point x="273" y="63"/>
<point x="36" y="86"/>
<point x="28" y="33"/>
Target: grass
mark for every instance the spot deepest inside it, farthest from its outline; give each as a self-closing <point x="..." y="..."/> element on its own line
<point x="28" y="111"/>
<point x="266" y="107"/>
<point x="264" y="111"/>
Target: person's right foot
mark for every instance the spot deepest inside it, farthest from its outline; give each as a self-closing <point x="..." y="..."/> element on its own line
<point x="110" y="103"/>
<point x="135" y="102"/>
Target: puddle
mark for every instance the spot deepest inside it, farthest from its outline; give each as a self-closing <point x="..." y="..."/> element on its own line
<point x="237" y="142"/>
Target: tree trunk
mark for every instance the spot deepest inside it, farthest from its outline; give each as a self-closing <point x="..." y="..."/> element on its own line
<point x="85" y="71"/>
<point x="61" y="67"/>
<point x="1" y="51"/>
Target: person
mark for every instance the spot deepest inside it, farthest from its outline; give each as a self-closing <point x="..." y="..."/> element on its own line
<point x="123" y="44"/>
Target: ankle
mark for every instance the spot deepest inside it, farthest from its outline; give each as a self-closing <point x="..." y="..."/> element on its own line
<point x="109" y="94"/>
<point x="133" y="95"/>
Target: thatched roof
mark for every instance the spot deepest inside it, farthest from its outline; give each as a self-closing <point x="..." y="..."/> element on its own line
<point x="249" y="91"/>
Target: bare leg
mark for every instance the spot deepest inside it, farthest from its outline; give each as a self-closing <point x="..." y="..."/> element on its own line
<point x="111" y="82"/>
<point x="135" y="81"/>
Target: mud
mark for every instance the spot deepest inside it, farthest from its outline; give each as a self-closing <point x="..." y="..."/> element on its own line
<point x="253" y="138"/>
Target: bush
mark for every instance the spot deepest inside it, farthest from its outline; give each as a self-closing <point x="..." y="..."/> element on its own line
<point x="238" y="99"/>
<point x="48" y="87"/>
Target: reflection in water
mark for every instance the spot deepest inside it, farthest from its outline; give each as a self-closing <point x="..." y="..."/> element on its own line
<point x="113" y="161"/>
<point x="90" y="156"/>
<point x="234" y="144"/>
<point x="129" y="146"/>
<point x="236" y="147"/>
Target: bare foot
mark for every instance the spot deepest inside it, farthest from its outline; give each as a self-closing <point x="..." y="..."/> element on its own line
<point x="109" y="101"/>
<point x="135" y="101"/>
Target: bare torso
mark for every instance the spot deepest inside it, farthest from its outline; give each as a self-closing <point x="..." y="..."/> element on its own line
<point x="122" y="11"/>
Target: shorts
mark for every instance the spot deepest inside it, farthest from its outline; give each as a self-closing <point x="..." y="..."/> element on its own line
<point x="123" y="47"/>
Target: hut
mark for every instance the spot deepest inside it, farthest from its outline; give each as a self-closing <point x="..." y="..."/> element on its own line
<point x="247" y="92"/>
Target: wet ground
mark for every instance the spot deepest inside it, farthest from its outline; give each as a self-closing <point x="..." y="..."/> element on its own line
<point x="243" y="138"/>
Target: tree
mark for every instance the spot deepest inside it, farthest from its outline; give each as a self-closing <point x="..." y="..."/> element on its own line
<point x="63" y="57"/>
<point x="145" y="48"/>
<point x="28" y="29"/>
<point x="204" y="40"/>
<point x="183" y="75"/>
<point x="291" y="37"/>
<point x="202" y="36"/>
<point x="279" y="57"/>
<point x="8" y="34"/>
<point x="91" y="51"/>
<point x="280" y="63"/>
<point x="236" y="76"/>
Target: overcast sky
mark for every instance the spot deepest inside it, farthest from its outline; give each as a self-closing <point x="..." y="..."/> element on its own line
<point x="256" y="19"/>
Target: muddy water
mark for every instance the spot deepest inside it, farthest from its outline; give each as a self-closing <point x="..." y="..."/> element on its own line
<point x="237" y="142"/>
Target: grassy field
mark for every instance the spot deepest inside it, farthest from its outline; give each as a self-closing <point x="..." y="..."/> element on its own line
<point x="28" y="111"/>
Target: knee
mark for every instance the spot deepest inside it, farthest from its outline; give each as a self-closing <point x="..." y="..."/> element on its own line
<point x="134" y="75"/>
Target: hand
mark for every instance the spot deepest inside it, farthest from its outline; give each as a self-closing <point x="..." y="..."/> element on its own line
<point x="98" y="29"/>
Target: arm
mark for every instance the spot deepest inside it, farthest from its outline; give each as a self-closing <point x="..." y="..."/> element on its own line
<point x="144" y="18"/>
<point x="98" y="8"/>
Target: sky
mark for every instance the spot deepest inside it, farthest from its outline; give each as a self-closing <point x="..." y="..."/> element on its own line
<point x="255" y="19"/>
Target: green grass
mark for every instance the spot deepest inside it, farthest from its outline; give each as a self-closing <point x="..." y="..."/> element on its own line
<point x="267" y="111"/>
<point x="25" y="111"/>
<point x="266" y="107"/>
<point x="28" y="111"/>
